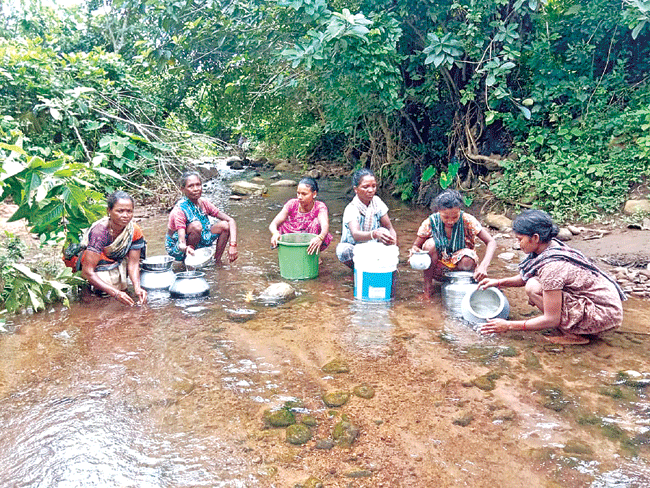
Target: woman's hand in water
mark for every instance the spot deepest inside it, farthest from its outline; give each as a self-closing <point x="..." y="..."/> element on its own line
<point x="123" y="297"/>
<point x="495" y="326"/>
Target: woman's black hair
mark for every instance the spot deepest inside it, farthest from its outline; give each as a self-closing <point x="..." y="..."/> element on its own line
<point x="531" y="222"/>
<point x="113" y="198"/>
<point x="360" y="174"/>
<point x="447" y="199"/>
<point x="186" y="176"/>
<point x="310" y="182"/>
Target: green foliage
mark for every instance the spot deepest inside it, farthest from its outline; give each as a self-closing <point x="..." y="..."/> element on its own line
<point x="54" y="196"/>
<point x="22" y="288"/>
<point x="578" y="173"/>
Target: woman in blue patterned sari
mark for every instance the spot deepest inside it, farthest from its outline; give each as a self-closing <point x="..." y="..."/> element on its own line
<point x="189" y="225"/>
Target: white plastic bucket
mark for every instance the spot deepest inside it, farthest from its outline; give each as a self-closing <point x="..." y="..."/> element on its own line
<point x="374" y="271"/>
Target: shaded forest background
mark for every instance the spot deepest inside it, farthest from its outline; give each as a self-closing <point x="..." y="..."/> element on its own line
<point x="524" y="102"/>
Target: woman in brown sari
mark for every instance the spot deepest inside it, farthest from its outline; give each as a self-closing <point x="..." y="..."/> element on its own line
<point x="575" y="297"/>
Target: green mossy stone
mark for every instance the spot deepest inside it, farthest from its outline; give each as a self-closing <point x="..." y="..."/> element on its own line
<point x="309" y="421"/>
<point x="298" y="434"/>
<point x="484" y="383"/>
<point x="574" y="446"/>
<point x="336" y="398"/>
<point x="345" y="433"/>
<point x="279" y="418"/>
<point x="364" y="391"/>
<point x="336" y="366"/>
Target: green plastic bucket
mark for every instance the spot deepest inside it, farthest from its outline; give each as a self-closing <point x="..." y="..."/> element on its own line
<point x="295" y="263"/>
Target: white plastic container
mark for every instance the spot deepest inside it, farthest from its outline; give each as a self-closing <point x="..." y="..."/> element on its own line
<point x="374" y="271"/>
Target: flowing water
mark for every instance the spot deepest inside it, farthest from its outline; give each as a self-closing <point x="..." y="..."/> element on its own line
<point x="174" y="393"/>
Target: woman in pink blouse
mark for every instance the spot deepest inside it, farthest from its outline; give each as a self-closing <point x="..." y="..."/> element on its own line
<point x="303" y="214"/>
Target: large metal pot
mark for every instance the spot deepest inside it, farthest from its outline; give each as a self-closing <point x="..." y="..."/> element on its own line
<point x="189" y="284"/>
<point x="479" y="306"/>
<point x="156" y="273"/>
<point x="454" y="288"/>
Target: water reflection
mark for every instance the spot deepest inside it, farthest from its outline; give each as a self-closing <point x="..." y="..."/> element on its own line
<point x="370" y="326"/>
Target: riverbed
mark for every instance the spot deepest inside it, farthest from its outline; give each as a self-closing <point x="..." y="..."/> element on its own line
<point x="178" y="393"/>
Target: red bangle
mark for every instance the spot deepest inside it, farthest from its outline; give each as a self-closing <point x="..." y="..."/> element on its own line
<point x="525" y="324"/>
<point x="499" y="284"/>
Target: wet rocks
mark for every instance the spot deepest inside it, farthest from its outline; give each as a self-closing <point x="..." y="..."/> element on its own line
<point x="364" y="391"/>
<point x="284" y="183"/>
<point x="336" y="398"/>
<point x="277" y="292"/>
<point x="336" y="366"/>
<point x="325" y="444"/>
<point x="241" y="314"/>
<point x="282" y="417"/>
<point x="311" y="482"/>
<point x="485" y="382"/>
<point x="574" y="446"/>
<point x="499" y="222"/>
<point x="345" y="432"/>
<point x="246" y="188"/>
<point x="506" y="256"/>
<point x="298" y="434"/>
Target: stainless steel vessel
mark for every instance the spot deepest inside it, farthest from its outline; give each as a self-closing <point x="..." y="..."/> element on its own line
<point x="454" y="288"/>
<point x="156" y="273"/>
<point x="189" y="284"/>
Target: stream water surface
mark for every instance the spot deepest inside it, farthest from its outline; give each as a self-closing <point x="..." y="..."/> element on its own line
<point x="174" y="393"/>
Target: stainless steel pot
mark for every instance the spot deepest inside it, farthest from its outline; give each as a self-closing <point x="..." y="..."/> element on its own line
<point x="156" y="272"/>
<point x="479" y="306"/>
<point x="454" y="288"/>
<point x="189" y="284"/>
<point x="156" y="280"/>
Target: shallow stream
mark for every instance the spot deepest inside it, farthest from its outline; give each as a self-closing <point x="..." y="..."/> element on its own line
<point x="174" y="393"/>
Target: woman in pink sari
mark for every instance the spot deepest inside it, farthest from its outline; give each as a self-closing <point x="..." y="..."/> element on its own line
<point x="303" y="214"/>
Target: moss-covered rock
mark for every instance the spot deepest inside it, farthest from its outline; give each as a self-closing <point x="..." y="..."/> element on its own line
<point x="364" y="391"/>
<point x="309" y="421"/>
<point x="345" y="432"/>
<point x="484" y="382"/>
<point x="282" y="417"/>
<point x="574" y="446"/>
<point x="336" y="398"/>
<point x="336" y="366"/>
<point x="298" y="434"/>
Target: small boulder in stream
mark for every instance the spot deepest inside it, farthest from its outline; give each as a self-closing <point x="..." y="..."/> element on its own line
<point x="345" y="432"/>
<point x="284" y="183"/>
<point x="246" y="188"/>
<point x="336" y="398"/>
<point x="277" y="293"/>
<point x="298" y="434"/>
<point x="336" y="366"/>
<point x="499" y="222"/>
<point x="282" y="417"/>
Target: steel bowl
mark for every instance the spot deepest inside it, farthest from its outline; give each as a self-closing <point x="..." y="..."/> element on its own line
<point x="157" y="263"/>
